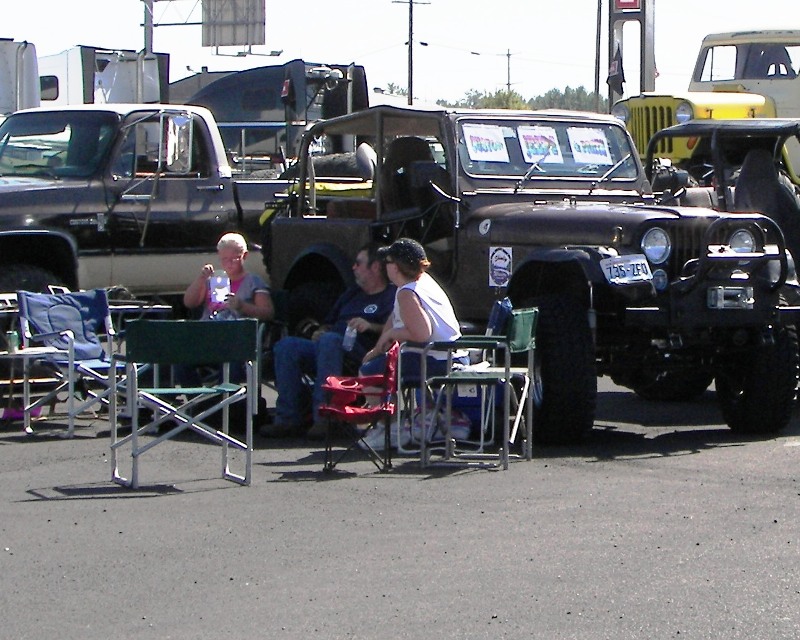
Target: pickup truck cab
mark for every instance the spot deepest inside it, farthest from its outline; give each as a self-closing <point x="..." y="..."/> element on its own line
<point x="135" y="195"/>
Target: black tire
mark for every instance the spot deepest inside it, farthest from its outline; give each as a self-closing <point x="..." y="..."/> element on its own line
<point x="565" y="393"/>
<point x="14" y="277"/>
<point x="756" y="390"/>
<point x="309" y="303"/>
<point x="672" y="386"/>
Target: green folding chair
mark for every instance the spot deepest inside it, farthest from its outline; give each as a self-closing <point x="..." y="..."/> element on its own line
<point x="171" y="343"/>
<point x="496" y="371"/>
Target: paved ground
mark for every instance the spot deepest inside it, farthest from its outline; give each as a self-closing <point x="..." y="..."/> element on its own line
<point x="662" y="525"/>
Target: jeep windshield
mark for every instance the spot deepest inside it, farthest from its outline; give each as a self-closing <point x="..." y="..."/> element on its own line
<point x="68" y="143"/>
<point x="529" y="151"/>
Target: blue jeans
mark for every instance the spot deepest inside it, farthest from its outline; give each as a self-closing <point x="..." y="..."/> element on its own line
<point x="296" y="358"/>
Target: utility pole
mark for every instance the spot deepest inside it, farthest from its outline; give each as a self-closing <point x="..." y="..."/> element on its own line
<point x="597" y="56"/>
<point x="410" y="52"/>
<point x="148" y="26"/>
<point x="411" y="4"/>
<point x="508" y="71"/>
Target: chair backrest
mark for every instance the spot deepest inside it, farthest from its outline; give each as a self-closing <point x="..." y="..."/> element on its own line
<point x="757" y="185"/>
<point x="499" y="317"/>
<point x="84" y="313"/>
<point x="394" y="181"/>
<point x="521" y="333"/>
<point x="191" y="342"/>
<point x="761" y="187"/>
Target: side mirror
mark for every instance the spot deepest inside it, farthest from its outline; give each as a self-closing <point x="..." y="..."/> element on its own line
<point x="178" y="148"/>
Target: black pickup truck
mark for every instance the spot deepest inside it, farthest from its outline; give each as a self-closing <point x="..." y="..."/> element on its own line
<point x="554" y="209"/>
<point x="132" y="195"/>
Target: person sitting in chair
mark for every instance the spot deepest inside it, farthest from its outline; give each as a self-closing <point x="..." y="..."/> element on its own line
<point x="422" y="313"/>
<point x="249" y="297"/>
<point x="363" y="307"/>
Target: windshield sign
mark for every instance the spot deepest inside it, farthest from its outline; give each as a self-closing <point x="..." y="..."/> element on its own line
<point x="544" y="150"/>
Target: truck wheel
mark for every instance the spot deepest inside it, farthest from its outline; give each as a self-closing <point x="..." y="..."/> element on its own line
<point x="672" y="386"/>
<point x="27" y="277"/>
<point x="565" y="392"/>
<point x="309" y="303"/>
<point x="756" y="390"/>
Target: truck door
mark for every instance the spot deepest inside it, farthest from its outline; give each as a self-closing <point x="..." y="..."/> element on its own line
<point x="171" y="212"/>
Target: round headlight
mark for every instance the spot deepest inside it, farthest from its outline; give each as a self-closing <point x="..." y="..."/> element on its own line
<point x="742" y="241"/>
<point x="621" y="111"/>
<point x="656" y="245"/>
<point x="683" y="112"/>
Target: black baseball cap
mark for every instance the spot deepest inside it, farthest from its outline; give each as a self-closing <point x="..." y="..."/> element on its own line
<point x="404" y="250"/>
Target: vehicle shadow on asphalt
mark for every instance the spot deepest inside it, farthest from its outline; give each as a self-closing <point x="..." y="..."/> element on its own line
<point x="629" y="426"/>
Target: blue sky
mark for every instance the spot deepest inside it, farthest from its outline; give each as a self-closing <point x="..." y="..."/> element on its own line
<point x="551" y="43"/>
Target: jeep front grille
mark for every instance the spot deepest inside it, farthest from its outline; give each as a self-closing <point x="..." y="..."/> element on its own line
<point x="687" y="244"/>
<point x="645" y="121"/>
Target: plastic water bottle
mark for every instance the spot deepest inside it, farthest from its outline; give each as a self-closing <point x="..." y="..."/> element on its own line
<point x="220" y="285"/>
<point x="349" y="338"/>
<point x="12" y="341"/>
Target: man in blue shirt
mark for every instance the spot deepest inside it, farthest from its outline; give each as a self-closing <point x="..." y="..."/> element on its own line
<point x="364" y="308"/>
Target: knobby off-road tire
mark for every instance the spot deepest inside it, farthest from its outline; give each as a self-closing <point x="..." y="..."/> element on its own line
<point x="756" y="390"/>
<point x="26" y="277"/>
<point x="673" y="386"/>
<point x="565" y="395"/>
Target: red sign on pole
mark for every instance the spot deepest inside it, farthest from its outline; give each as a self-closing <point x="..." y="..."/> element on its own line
<point x="627" y="5"/>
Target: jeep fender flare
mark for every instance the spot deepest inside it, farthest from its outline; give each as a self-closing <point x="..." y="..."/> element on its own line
<point x="556" y="271"/>
<point x="53" y="251"/>
<point x="320" y="262"/>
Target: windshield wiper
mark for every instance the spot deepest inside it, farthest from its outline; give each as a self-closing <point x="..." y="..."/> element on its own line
<point x="531" y="170"/>
<point x="609" y="173"/>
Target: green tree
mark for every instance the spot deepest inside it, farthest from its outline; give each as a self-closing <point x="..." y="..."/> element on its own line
<point x="500" y="99"/>
<point x="473" y="99"/>
<point x="396" y="89"/>
<point x="575" y="99"/>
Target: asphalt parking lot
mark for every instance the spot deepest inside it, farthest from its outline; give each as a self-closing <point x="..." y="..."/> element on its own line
<point x="663" y="524"/>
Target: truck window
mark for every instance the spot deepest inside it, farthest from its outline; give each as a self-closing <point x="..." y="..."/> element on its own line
<point x="771" y="61"/>
<point x="139" y="153"/>
<point x="57" y="144"/>
<point x="547" y="150"/>
<point x="719" y="64"/>
<point x="749" y="61"/>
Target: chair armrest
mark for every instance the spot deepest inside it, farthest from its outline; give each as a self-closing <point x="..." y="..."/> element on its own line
<point x="467" y="342"/>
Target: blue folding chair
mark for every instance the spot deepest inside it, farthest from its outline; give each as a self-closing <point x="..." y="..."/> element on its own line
<point x="79" y="326"/>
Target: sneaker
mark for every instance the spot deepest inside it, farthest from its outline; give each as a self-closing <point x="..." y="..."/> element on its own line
<point x="376" y="438"/>
<point x="318" y="431"/>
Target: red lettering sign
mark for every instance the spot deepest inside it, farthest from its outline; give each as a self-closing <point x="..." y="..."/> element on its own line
<point x="627" y="5"/>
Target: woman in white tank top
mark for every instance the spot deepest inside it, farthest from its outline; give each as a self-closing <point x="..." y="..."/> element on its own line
<point x="422" y="311"/>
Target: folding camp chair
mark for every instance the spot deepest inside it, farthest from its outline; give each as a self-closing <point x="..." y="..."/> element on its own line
<point x="407" y="425"/>
<point x="78" y="325"/>
<point x="169" y="343"/>
<point x="519" y="337"/>
<point x="359" y="400"/>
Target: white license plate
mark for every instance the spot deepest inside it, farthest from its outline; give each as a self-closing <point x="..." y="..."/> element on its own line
<point x="625" y="269"/>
